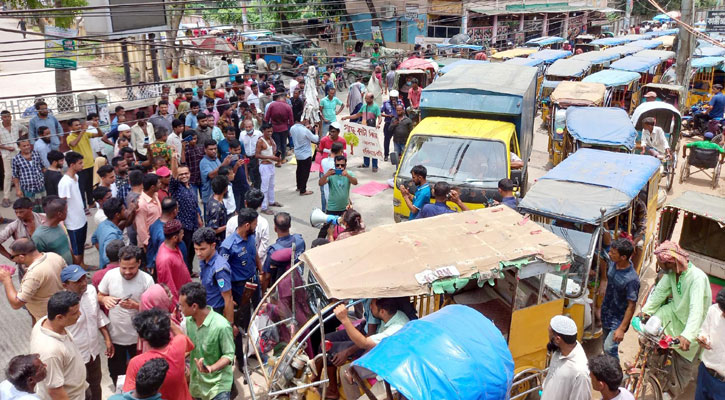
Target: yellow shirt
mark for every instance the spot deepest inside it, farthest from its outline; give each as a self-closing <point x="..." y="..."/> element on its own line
<point x="83" y="147"/>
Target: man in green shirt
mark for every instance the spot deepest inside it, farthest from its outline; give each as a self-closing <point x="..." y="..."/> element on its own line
<point x="51" y="237"/>
<point x="212" y="375"/>
<point x="370" y="114"/>
<point x="682" y="317"/>
<point x="329" y="110"/>
<point x="339" y="180"/>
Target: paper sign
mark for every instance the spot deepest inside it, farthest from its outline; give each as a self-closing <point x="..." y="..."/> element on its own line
<point x="60" y="49"/>
<point x="368" y="136"/>
<point x="429" y="276"/>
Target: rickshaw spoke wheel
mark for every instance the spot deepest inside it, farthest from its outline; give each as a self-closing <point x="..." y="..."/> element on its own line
<point x="649" y="390"/>
<point x="684" y="171"/>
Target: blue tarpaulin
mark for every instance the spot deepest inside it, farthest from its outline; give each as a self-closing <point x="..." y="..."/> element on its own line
<point x="706" y="62"/>
<point x="612" y="77"/>
<point x="596" y="57"/>
<point x="636" y="64"/>
<point x="712" y="51"/>
<point x="450" y="66"/>
<point x="529" y="62"/>
<point x="544" y="41"/>
<point x="605" y="126"/>
<point x="613" y="41"/>
<point x="647" y="43"/>
<point x="455" y="354"/>
<point x="661" y="18"/>
<point x="549" y="55"/>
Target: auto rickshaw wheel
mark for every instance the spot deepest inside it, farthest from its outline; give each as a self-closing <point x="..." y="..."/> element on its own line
<point x="273" y="65"/>
<point x="526" y="385"/>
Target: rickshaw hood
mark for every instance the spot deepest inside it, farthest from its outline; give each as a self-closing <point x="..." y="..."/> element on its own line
<point x="529" y="62"/>
<point x="612" y="77"/>
<point x="458" y="63"/>
<point x="454" y="353"/>
<point x="636" y="64"/>
<point x="606" y="126"/>
<point x="384" y="261"/>
<point x="579" y="93"/>
<point x="702" y="204"/>
<point x="568" y="68"/>
<point x="549" y="55"/>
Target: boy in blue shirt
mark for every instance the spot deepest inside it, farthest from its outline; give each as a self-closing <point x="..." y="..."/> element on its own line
<point x="422" y="194"/>
<point x="620" y="283"/>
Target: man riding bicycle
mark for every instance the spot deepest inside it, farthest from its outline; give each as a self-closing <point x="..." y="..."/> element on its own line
<point x="683" y="314"/>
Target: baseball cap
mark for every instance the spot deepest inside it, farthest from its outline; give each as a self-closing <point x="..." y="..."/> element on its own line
<point x="72" y="273"/>
<point x="163" y="172"/>
<point x="228" y="84"/>
<point x="336" y="125"/>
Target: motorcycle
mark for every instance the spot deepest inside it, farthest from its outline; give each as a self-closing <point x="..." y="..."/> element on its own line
<point x="340" y="81"/>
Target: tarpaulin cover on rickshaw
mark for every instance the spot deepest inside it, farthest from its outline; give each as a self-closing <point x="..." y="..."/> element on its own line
<point x="624" y="50"/>
<point x="528" y="62"/>
<point x="384" y="261"/>
<point x="647" y="43"/>
<point x="706" y="62"/>
<point x="419" y="63"/>
<point x="549" y="55"/>
<point x="613" y="41"/>
<point x="661" y="54"/>
<point x="588" y="180"/>
<point x="455" y="353"/>
<point x="636" y="64"/>
<point x="604" y="126"/>
<point x="710" y="51"/>
<point x="579" y="93"/>
<point x="544" y="41"/>
<point x="612" y="77"/>
<point x="568" y="68"/>
<point x="458" y="63"/>
<point x="517" y="52"/>
<point x="596" y="57"/>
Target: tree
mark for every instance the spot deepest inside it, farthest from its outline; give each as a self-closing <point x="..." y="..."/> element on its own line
<point x="61" y="19"/>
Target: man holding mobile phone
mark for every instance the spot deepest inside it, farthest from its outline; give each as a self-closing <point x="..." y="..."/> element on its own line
<point x="339" y="181"/>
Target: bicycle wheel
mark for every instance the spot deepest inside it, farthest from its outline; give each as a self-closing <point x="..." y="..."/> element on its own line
<point x="649" y="390"/>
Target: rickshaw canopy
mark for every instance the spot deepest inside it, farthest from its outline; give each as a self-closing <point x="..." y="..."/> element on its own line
<point x="706" y="62"/>
<point x="458" y="63"/>
<point x="624" y="50"/>
<point x="710" y="51"/>
<point x="544" y="41"/>
<point x="661" y="54"/>
<point x="587" y="181"/>
<point x="440" y="357"/>
<point x="549" y="55"/>
<point x="612" y="77"/>
<point x="528" y="61"/>
<point x="610" y="41"/>
<point x="517" y="52"/>
<point x="568" y="68"/>
<point x="646" y="43"/>
<point x="596" y="57"/>
<point x="634" y="37"/>
<point x="604" y="126"/>
<point x="473" y="47"/>
<point x="579" y="93"/>
<point x="701" y="204"/>
<point x="636" y="64"/>
<point x="419" y="63"/>
<point x="649" y="107"/>
<point x="667" y="41"/>
<point x="384" y="261"/>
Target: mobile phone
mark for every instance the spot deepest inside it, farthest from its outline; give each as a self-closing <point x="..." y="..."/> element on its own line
<point x="338" y="171"/>
<point x="126" y="298"/>
<point x="245" y="161"/>
<point x="234" y="158"/>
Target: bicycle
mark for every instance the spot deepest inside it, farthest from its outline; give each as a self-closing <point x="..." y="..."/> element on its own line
<point x="653" y="368"/>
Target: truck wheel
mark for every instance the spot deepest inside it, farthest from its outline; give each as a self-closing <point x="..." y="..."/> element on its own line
<point x="273" y="65"/>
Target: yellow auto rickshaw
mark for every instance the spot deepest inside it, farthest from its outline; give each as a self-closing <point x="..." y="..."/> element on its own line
<point x="706" y="71"/>
<point x="561" y="70"/>
<point x="519" y="287"/>
<point x="666" y="58"/>
<point x="569" y="94"/>
<point x="626" y="189"/>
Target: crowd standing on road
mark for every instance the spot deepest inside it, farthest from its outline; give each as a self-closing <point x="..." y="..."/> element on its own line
<point x="189" y="183"/>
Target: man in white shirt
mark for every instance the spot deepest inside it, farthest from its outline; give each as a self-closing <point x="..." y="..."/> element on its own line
<point x="24" y="371"/>
<point x="85" y="330"/>
<point x="75" y="221"/>
<point x="174" y="139"/>
<point x="253" y="199"/>
<point x="249" y="138"/>
<point x="9" y="134"/>
<point x="711" y="374"/>
<point x="654" y="140"/>
<point x="568" y="376"/>
<point x="120" y="292"/>
<point x="606" y="375"/>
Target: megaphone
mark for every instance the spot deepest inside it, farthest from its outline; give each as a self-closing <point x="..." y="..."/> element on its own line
<point x="318" y="218"/>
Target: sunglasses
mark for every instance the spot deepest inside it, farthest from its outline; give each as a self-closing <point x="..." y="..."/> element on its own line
<point x="340" y="165"/>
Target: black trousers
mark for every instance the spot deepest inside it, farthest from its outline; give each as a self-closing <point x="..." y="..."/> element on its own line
<point x="280" y="138"/>
<point x="387" y="135"/>
<point x="303" y="173"/>
<point x="117" y="364"/>
<point x="93" y="377"/>
<point x="85" y="184"/>
<point x="253" y="169"/>
<point x="189" y="250"/>
<point x="701" y="120"/>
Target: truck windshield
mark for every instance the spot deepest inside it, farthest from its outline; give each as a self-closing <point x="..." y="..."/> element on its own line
<point x="456" y="160"/>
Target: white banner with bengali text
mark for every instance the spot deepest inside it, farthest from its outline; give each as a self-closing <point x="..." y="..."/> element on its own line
<point x="368" y="136"/>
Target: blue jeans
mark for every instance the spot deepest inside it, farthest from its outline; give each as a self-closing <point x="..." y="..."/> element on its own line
<point x="708" y="388"/>
<point x="325" y="128"/>
<point x="609" y="345"/>
<point x="366" y="162"/>
<point x="399" y="149"/>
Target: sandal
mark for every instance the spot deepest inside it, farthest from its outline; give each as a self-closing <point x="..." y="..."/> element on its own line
<point x="275" y="204"/>
<point x="267" y="212"/>
<point x="6" y="203"/>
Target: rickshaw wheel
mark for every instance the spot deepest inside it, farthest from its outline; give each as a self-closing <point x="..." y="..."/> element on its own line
<point x="350" y="78"/>
<point x="716" y="176"/>
<point x="684" y="172"/>
<point x="650" y="389"/>
<point x="273" y="65"/>
<point x="523" y="387"/>
<point x="671" y="173"/>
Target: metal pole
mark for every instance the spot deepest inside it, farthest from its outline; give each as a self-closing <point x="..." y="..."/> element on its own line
<point x="126" y="69"/>
<point x="684" y="46"/>
<point x="154" y="57"/>
<point x="293" y="325"/>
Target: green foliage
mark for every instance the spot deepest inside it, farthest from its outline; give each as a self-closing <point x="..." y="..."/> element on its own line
<point x="61" y="19"/>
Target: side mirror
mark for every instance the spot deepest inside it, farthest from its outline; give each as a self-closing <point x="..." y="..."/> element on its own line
<point x="517" y="176"/>
<point x="394" y="158"/>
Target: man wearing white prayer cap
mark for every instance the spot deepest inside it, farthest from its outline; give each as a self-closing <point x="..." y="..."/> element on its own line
<point x="568" y="376"/>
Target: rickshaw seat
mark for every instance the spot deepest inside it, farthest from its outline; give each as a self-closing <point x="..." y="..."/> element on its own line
<point x="703" y="158"/>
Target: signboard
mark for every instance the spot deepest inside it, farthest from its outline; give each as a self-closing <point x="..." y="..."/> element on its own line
<point x="60" y="49"/>
<point x="369" y="137"/>
<point x="715" y="21"/>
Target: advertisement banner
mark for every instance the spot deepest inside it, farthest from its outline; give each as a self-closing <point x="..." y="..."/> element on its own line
<point x="60" y="49"/>
<point x="368" y="136"/>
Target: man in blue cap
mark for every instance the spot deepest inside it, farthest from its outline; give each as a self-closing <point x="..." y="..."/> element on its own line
<point x="85" y="330"/>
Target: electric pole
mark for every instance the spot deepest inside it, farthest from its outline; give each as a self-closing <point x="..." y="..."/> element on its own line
<point x="685" y="41"/>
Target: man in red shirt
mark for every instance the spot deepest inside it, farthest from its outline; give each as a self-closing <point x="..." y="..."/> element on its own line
<point x="279" y="114"/>
<point x="333" y="135"/>
<point x="170" y="266"/>
<point x="155" y="328"/>
<point x="414" y="94"/>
